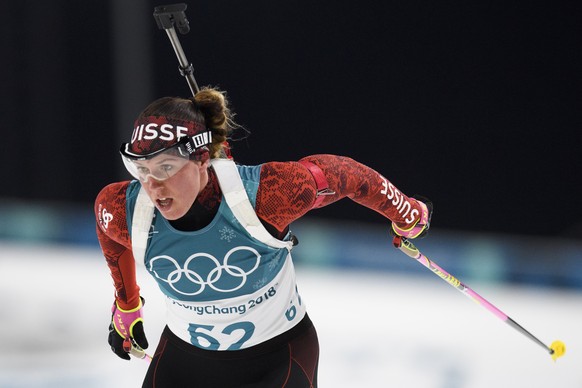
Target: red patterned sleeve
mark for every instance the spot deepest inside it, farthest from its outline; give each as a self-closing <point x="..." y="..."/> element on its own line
<point x="287" y="190"/>
<point x="115" y="243"/>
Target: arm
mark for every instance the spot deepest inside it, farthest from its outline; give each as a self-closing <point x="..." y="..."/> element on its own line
<point x="126" y="333"/>
<point x="116" y="244"/>
<point x="288" y="191"/>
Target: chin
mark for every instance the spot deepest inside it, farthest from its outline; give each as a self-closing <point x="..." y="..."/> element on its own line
<point x="171" y="215"/>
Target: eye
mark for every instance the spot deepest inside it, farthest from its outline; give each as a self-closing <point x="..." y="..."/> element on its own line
<point x="166" y="167"/>
<point x="143" y="170"/>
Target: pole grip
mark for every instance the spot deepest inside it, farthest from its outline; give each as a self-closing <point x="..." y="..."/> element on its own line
<point x="136" y="351"/>
<point x="406" y="247"/>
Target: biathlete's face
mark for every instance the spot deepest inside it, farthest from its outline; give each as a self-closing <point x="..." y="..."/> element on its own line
<point x="174" y="196"/>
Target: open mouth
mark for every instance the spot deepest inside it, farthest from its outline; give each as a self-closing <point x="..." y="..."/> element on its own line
<point x="164" y="203"/>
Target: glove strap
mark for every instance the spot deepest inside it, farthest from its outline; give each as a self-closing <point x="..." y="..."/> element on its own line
<point x="418" y="227"/>
<point x="125" y="320"/>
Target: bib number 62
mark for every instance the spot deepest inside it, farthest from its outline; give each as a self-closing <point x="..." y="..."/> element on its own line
<point x="200" y="335"/>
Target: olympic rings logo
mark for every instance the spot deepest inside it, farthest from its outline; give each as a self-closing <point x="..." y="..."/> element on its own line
<point x="213" y="277"/>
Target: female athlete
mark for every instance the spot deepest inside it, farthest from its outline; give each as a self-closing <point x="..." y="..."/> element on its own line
<point x="215" y="236"/>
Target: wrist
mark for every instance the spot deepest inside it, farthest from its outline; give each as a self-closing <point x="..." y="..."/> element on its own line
<point x="125" y="320"/>
<point x="129" y="310"/>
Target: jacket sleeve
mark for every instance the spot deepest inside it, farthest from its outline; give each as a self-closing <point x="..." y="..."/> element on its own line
<point x="115" y="243"/>
<point x="288" y="190"/>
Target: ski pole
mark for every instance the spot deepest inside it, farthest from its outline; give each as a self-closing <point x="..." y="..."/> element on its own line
<point x="131" y="347"/>
<point x="556" y="349"/>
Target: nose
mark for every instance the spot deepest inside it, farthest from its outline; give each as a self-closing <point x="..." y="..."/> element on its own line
<point x="152" y="183"/>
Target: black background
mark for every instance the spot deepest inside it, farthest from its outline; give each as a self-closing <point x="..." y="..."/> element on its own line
<point x="473" y="105"/>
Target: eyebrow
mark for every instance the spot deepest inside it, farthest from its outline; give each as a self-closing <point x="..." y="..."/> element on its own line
<point x="165" y="160"/>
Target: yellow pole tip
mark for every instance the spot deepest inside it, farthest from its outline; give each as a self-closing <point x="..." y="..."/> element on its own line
<point x="558" y="349"/>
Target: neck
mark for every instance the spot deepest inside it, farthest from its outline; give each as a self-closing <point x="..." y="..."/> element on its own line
<point x="204" y="208"/>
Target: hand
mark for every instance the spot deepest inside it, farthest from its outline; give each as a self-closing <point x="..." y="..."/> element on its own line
<point x="420" y="228"/>
<point x="126" y="328"/>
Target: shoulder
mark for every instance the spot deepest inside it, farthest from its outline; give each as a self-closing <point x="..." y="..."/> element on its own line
<point x="286" y="192"/>
<point x="110" y="209"/>
<point x="112" y="196"/>
<point x="281" y="173"/>
<point x="113" y="190"/>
